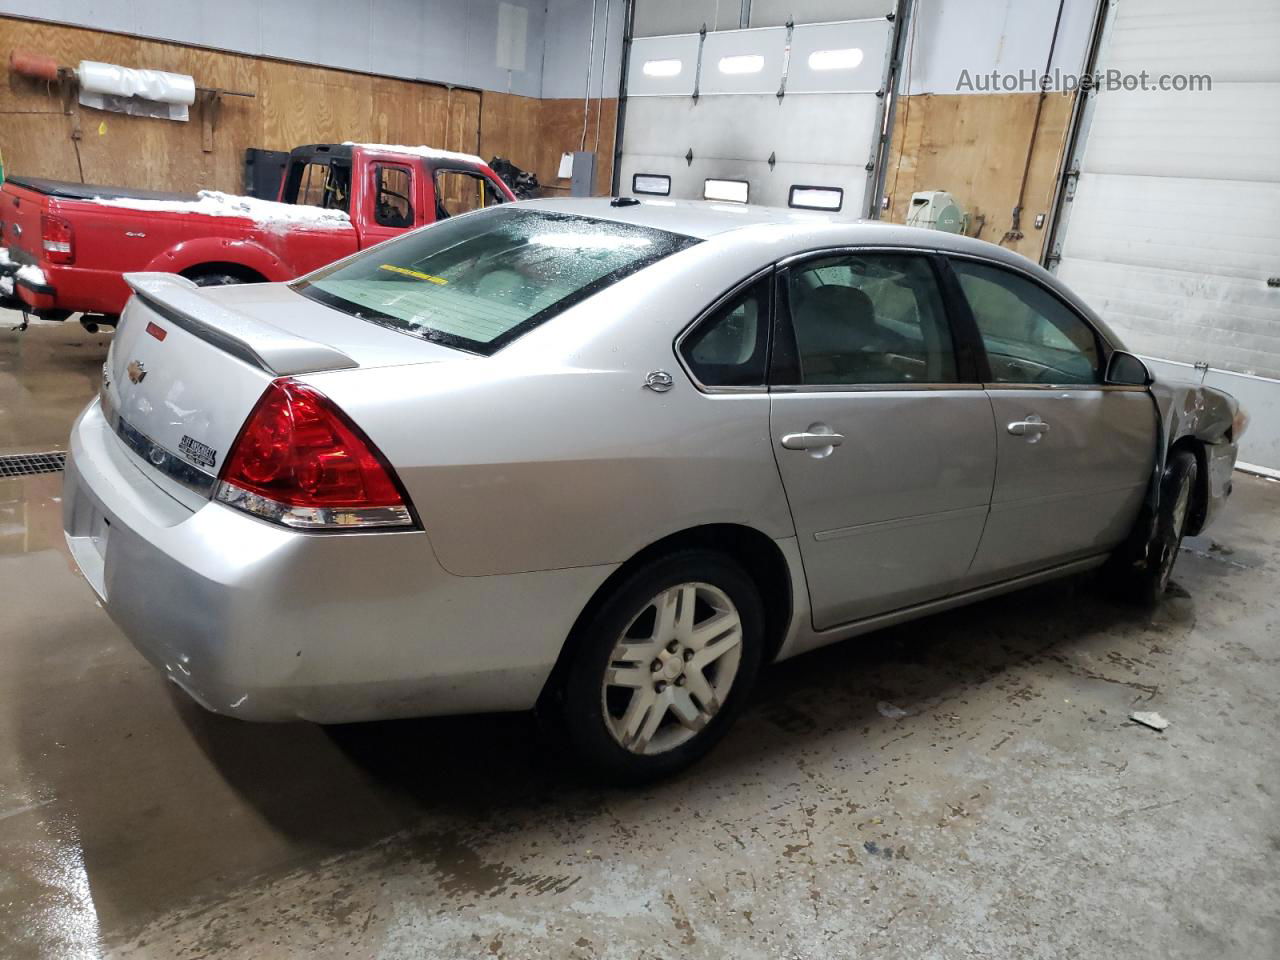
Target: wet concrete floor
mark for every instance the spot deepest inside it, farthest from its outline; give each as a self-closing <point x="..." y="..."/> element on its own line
<point x="967" y="785"/>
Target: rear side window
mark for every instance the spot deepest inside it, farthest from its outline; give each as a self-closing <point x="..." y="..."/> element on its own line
<point x="727" y="349"/>
<point x="1030" y="336"/>
<point x="865" y="319"/>
<point x="326" y="184"/>
<point x="481" y="281"/>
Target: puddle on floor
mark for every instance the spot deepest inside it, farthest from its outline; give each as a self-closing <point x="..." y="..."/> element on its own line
<point x="31" y="514"/>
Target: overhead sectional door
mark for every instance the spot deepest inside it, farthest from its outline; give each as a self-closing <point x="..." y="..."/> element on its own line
<point x="794" y="113"/>
<point x="1173" y="230"/>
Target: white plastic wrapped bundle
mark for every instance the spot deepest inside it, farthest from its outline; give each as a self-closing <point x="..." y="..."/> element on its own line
<point x="115" y="81"/>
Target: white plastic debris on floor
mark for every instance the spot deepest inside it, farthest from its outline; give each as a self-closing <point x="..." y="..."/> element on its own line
<point x="213" y="203"/>
<point x="1149" y="718"/>
<point x="6" y="286"/>
<point x="431" y="153"/>
<point x="32" y="274"/>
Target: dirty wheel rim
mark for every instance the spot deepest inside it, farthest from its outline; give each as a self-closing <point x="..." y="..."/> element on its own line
<point x="671" y="670"/>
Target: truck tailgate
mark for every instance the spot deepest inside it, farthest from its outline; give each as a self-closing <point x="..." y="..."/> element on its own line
<point x="20" y="211"/>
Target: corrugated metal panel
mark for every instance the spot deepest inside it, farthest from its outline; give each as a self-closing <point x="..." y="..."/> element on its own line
<point x="822" y="139"/>
<point x="743" y="61"/>
<point x="775" y="13"/>
<point x="1174" y="229"/>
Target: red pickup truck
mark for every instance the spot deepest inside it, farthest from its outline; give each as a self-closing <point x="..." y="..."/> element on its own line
<point x="69" y="244"/>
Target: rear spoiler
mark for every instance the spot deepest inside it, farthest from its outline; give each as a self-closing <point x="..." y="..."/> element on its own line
<point x="255" y="342"/>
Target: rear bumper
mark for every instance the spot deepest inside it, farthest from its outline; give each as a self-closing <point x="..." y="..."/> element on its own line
<point x="263" y="623"/>
<point x="66" y="290"/>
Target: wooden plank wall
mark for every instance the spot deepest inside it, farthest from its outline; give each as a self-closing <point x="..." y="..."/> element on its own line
<point x="975" y="146"/>
<point x="533" y="134"/>
<point x="295" y="104"/>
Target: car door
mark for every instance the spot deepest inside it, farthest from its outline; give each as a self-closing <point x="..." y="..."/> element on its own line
<point x="393" y="190"/>
<point x="1074" y="456"/>
<point x="882" y="433"/>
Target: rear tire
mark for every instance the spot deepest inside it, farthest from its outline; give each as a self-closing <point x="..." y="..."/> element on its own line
<point x="662" y="667"/>
<point x="1149" y="578"/>
<point x="214" y="279"/>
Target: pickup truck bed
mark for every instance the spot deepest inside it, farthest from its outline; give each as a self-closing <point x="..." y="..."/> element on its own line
<point x="68" y="245"/>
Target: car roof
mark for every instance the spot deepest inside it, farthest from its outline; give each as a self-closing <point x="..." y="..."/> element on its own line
<point x="787" y="232"/>
<point x="693" y="218"/>
<point x="802" y="229"/>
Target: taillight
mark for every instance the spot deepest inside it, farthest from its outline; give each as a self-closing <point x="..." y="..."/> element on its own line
<point x="57" y="238"/>
<point x="299" y="461"/>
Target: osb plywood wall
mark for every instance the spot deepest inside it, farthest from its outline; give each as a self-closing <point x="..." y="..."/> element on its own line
<point x="534" y="133"/>
<point x="293" y="104"/>
<point x="975" y="146"/>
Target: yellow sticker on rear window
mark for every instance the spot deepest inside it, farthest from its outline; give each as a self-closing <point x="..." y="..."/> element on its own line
<point x="413" y="273"/>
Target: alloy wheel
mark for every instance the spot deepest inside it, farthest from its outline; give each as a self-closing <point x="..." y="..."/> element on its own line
<point x="671" y="670"/>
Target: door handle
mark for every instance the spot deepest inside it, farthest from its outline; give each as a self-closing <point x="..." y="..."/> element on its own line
<point x="1032" y="428"/>
<point x="811" y="441"/>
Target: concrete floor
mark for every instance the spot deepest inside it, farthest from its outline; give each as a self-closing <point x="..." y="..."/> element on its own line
<point x="967" y="785"/>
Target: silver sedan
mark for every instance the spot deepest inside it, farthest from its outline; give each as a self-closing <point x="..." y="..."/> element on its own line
<point x="608" y="458"/>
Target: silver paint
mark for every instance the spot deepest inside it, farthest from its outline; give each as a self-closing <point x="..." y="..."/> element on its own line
<point x="538" y="471"/>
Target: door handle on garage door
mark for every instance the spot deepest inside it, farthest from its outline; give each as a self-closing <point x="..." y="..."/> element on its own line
<point x="1031" y="428"/>
<point x="811" y="440"/>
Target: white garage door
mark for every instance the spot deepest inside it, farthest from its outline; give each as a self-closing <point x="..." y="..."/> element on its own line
<point x="780" y="116"/>
<point x="1173" y="233"/>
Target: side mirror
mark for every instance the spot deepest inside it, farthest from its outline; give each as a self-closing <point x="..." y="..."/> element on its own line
<point x="1124" y="369"/>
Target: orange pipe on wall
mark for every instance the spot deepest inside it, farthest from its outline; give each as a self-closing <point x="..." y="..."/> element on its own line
<point x="37" y="66"/>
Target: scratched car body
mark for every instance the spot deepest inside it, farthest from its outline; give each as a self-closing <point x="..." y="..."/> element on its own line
<point x="610" y="458"/>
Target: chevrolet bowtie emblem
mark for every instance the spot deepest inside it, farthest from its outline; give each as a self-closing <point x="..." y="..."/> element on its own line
<point x="137" y="372"/>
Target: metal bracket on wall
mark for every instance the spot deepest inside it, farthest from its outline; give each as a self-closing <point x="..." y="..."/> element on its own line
<point x="697" y="70"/>
<point x="210" y="99"/>
<point x="786" y="59"/>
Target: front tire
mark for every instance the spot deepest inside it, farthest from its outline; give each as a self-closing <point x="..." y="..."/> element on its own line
<point x="1149" y="579"/>
<point x="663" y="667"/>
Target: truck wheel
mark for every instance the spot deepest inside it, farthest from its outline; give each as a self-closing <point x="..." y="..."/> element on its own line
<point x="214" y="279"/>
<point x="1146" y="582"/>
<point x="663" y="667"/>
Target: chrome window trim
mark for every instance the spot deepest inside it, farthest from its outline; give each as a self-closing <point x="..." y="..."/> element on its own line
<point x="166" y="462"/>
<point x="689" y="328"/>
<point x="855" y="248"/>
<point x="877" y="388"/>
<point x="1078" y="387"/>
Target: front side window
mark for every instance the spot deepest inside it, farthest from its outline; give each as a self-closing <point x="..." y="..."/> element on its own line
<point x="866" y="319"/>
<point x="393" y="206"/>
<point x="479" y="282"/>
<point x="727" y="349"/>
<point x="461" y="191"/>
<point x="1029" y="334"/>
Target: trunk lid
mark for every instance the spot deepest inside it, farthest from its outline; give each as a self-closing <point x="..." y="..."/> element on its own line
<point x="20" y="211"/>
<point x="188" y="364"/>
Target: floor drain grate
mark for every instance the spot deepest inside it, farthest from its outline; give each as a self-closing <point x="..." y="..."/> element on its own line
<point x="26" y="464"/>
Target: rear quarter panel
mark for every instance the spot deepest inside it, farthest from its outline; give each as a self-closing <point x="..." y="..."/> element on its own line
<point x="552" y="454"/>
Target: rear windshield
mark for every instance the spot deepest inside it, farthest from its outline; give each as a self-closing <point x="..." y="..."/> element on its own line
<point x="479" y="281"/>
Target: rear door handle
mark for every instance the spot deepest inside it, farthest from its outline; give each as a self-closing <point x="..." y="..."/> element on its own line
<point x="811" y="441"/>
<point x="1031" y="427"/>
